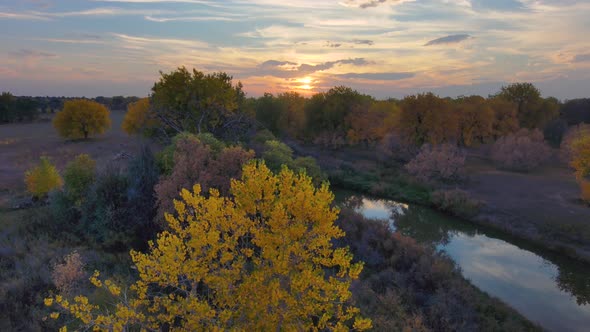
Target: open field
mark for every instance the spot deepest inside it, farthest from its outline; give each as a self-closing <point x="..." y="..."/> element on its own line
<point x="21" y="145"/>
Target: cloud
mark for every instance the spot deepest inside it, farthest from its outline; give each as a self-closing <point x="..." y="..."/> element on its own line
<point x="275" y="63"/>
<point x="363" y="42"/>
<point x="497" y="5"/>
<point x="22" y="16"/>
<point x="377" y="76"/>
<point x="191" y="19"/>
<point x="26" y="53"/>
<point x="371" y="3"/>
<point x="582" y="58"/>
<point x="451" y="39"/>
<point x="309" y="69"/>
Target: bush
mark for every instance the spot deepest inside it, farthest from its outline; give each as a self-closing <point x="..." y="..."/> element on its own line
<point x="522" y="151"/>
<point x="276" y="155"/>
<point x="393" y="148"/>
<point x="42" y="179"/>
<point x="554" y="131"/>
<point x="67" y="275"/>
<point x="440" y="163"/>
<point x="330" y="140"/>
<point x="195" y="162"/>
<point x="573" y="134"/>
<point x="457" y="202"/>
<point x="82" y="118"/>
<point x="79" y="175"/>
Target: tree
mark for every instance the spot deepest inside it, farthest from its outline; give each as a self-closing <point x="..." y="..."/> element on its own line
<point x="370" y="123"/>
<point x="440" y="163"/>
<point x="42" y="179"/>
<point x="261" y="260"/>
<point x="426" y="118"/>
<point x="580" y="149"/>
<point x="7" y="113"/>
<point x="196" y="102"/>
<point x="505" y="117"/>
<point x="82" y="118"/>
<point x="79" y="175"/>
<point x="197" y="162"/>
<point x="140" y="119"/>
<point x="476" y="120"/>
<point x="533" y="111"/>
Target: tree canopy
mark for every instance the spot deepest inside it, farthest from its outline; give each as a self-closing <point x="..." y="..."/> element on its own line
<point x="82" y="118"/>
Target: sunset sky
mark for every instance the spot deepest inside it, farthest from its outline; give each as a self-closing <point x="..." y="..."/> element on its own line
<point x="386" y="48"/>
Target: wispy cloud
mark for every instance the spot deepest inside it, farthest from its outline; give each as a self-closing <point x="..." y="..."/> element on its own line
<point x="451" y="39"/>
<point x="22" y="16"/>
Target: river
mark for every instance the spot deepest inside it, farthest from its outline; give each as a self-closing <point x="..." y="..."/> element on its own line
<point x="549" y="289"/>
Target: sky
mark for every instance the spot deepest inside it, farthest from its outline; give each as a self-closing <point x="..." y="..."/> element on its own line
<point x="385" y="48"/>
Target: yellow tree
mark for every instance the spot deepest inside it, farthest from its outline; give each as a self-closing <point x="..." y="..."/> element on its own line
<point x="43" y="178"/>
<point x="261" y="260"/>
<point x="139" y="118"/>
<point x="580" y="149"/>
<point x="81" y="118"/>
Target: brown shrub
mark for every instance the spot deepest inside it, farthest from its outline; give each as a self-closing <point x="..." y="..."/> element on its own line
<point x="195" y="162"/>
<point x="457" y="202"/>
<point x="522" y="151"/>
<point x="444" y="163"/>
<point x="66" y="276"/>
<point x="392" y="148"/>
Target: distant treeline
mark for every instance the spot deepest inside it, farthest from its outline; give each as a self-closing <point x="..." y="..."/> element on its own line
<point x="26" y="108"/>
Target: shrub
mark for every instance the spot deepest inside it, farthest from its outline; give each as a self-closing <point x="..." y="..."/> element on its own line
<point x="67" y="275"/>
<point x="457" y="202"/>
<point x="444" y="163"/>
<point x="140" y="119"/>
<point x="79" y="176"/>
<point x="522" y="151"/>
<point x="277" y="154"/>
<point x="330" y="140"/>
<point x="82" y="118"/>
<point x="195" y="162"/>
<point x="554" y="131"/>
<point x="393" y="148"/>
<point x="42" y="179"/>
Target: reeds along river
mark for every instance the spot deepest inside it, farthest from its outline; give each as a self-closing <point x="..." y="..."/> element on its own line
<point x="548" y="289"/>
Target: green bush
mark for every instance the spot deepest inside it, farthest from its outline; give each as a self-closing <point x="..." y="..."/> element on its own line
<point x="79" y="175"/>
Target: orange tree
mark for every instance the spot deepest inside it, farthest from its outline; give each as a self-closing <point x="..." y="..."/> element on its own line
<point x="82" y="118"/>
<point x="258" y="261"/>
<point x="139" y="119"/>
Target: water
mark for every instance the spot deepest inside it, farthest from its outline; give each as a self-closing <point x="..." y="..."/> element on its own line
<point x="549" y="289"/>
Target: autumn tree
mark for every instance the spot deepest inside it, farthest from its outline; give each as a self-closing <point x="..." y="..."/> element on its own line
<point x="42" y="179"/>
<point x="580" y="152"/>
<point x="370" y="123"/>
<point x="82" y="118"/>
<point x="260" y="260"/>
<point x="196" y="102"/>
<point x="505" y="117"/>
<point x="140" y="119"/>
<point x="426" y="118"/>
<point x="294" y="120"/>
<point x="522" y="151"/>
<point x="439" y="163"/>
<point x="476" y="120"/>
<point x="533" y="111"/>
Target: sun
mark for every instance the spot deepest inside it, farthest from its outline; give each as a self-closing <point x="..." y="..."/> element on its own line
<point x="305" y="83"/>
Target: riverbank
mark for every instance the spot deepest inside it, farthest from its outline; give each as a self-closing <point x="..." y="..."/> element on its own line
<point x="540" y="208"/>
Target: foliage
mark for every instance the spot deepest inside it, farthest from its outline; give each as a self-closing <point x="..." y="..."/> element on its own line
<point x="277" y="154"/>
<point x="576" y="111"/>
<point x="457" y="202"/>
<point x="554" y="131"/>
<point x="262" y="260"/>
<point x="522" y="151"/>
<point x="476" y="119"/>
<point x="444" y="163"/>
<point x="82" y="118"/>
<point x="105" y="211"/>
<point x="42" y="179"/>
<point x="506" y="117"/>
<point x="195" y="162"/>
<point x="79" y="175"/>
<point x="422" y="118"/>
<point x="572" y="134"/>
<point x="16" y="109"/>
<point x="370" y="123"/>
<point x="67" y="275"/>
<point x="140" y="118"/>
<point x="392" y="149"/>
<point x="585" y="190"/>
<point x="143" y="175"/>
<point x="533" y="111"/>
<point x="196" y="102"/>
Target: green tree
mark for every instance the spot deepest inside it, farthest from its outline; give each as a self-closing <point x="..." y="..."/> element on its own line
<point x="426" y="118"/>
<point x="195" y="101"/>
<point x="79" y="175"/>
<point x="533" y="111"/>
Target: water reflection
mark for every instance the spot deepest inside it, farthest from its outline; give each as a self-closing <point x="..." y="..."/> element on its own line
<point x="546" y="288"/>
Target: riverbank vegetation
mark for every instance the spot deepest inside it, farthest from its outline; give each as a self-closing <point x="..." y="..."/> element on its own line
<point x="201" y="129"/>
